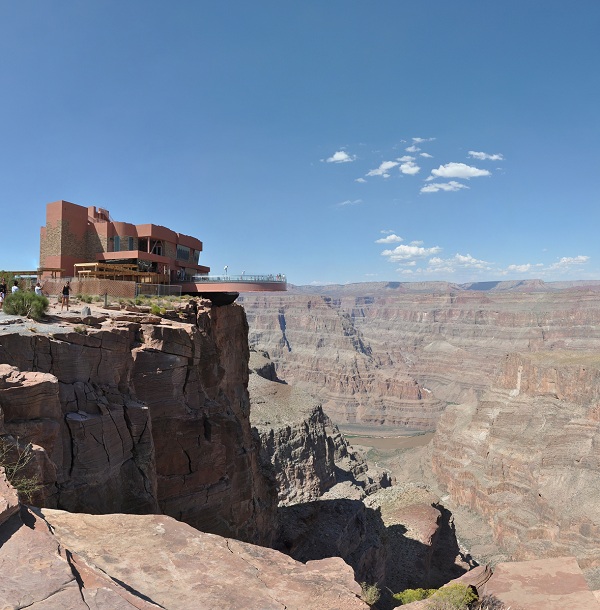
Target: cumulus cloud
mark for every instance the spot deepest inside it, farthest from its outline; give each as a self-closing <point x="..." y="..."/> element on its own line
<point x="341" y="156"/>
<point x="349" y="202"/>
<point x="412" y="149"/>
<point x="426" y="155"/>
<point x="458" y="170"/>
<point x="421" y="140"/>
<point x="464" y="261"/>
<point x="361" y="180"/>
<point x="386" y="231"/>
<point x="569" y="261"/>
<point x="520" y="268"/>
<point x="410" y="168"/>
<point x="405" y="158"/>
<point x="390" y="239"/>
<point x="443" y="186"/>
<point x="416" y="242"/>
<point x="383" y="169"/>
<point x="406" y="253"/>
<point x="485" y="156"/>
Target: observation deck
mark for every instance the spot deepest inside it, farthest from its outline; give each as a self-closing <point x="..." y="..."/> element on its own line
<point x="226" y="288"/>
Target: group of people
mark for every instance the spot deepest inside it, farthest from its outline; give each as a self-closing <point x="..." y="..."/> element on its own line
<point x="4" y="290"/>
<point x="66" y="291"/>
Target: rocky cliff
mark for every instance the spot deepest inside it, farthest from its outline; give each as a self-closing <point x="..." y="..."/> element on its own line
<point x="527" y="457"/>
<point x="141" y="415"/>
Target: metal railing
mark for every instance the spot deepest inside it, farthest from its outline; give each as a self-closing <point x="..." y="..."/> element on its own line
<point x="157" y="290"/>
<point x="278" y="278"/>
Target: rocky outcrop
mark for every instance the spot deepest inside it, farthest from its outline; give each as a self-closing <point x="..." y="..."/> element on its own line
<point x="141" y="418"/>
<point x="307" y="452"/>
<point x="55" y="559"/>
<point x="526" y="457"/>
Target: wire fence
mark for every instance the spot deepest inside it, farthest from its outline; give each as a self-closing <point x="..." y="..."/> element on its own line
<point x="157" y="290"/>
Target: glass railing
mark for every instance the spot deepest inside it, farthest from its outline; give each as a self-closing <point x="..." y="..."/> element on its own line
<point x="246" y="277"/>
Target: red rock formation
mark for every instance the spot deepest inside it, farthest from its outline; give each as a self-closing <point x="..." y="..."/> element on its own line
<point x="142" y="418"/>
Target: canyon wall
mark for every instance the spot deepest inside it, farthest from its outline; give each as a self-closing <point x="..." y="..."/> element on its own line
<point x="527" y="457"/>
<point x="396" y="354"/>
<point x="141" y="415"/>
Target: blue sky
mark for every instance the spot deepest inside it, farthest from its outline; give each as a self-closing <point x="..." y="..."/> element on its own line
<point x="334" y="141"/>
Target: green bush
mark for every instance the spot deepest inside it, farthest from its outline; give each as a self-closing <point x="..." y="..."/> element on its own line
<point x="86" y="298"/>
<point x="155" y="310"/>
<point x="370" y="593"/>
<point x="28" y="304"/>
<point x="452" y="597"/>
<point x="413" y="595"/>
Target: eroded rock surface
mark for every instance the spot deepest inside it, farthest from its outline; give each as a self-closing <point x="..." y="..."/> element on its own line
<point x="141" y="417"/>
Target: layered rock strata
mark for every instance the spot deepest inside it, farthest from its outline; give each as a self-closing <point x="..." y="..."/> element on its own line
<point x="527" y="457"/>
<point x="141" y="417"/>
<point x="397" y="353"/>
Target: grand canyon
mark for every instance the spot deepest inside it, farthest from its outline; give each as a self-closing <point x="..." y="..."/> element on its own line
<point x="203" y="458"/>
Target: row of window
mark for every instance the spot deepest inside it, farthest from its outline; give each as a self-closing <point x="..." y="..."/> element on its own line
<point x="156" y="247"/>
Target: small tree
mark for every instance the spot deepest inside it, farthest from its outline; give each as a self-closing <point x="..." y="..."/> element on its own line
<point x="28" y="304"/>
<point x="14" y="458"/>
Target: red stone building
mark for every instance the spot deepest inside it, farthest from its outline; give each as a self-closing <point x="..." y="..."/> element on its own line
<point x="77" y="234"/>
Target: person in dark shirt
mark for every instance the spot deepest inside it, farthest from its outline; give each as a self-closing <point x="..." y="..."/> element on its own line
<point x="66" y="290"/>
<point x="3" y="289"/>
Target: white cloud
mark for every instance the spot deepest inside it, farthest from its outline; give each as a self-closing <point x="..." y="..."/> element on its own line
<point x="426" y="155"/>
<point x="464" y="261"/>
<point x="485" y="157"/>
<point x="410" y="168"/>
<point x="361" y="180"/>
<point x="386" y="231"/>
<point x="443" y="186"/>
<point x="406" y="253"/>
<point x="416" y="242"/>
<point x="349" y="202"/>
<point x="405" y="271"/>
<point x="390" y="239"/>
<point x="520" y="268"/>
<point x="405" y="158"/>
<point x="421" y="140"/>
<point x="341" y="156"/>
<point x="458" y="170"/>
<point x="412" y="149"/>
<point x="383" y="169"/>
<point x="569" y="261"/>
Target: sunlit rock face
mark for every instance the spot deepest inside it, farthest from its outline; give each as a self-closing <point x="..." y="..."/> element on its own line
<point x="527" y="456"/>
<point x="142" y="418"/>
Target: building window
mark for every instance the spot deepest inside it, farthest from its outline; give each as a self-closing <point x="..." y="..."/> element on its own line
<point x="183" y="253"/>
<point x="156" y="246"/>
<point x="130" y="244"/>
<point x="117" y="242"/>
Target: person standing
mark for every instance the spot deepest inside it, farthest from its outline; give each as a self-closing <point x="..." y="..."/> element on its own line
<point x="15" y="287"/>
<point x="38" y="289"/>
<point x="66" y="290"/>
<point x="3" y="289"/>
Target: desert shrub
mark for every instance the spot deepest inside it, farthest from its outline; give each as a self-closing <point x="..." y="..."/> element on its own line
<point x="413" y="595"/>
<point x="96" y="298"/>
<point x="86" y="298"/>
<point x="82" y="330"/>
<point x="452" y="597"/>
<point x="155" y="309"/>
<point x="14" y="457"/>
<point x="28" y="304"/>
<point x="370" y="593"/>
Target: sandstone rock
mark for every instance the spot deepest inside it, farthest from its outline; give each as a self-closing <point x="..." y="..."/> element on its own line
<point x="164" y="563"/>
<point x="9" y="501"/>
<point x="138" y="417"/>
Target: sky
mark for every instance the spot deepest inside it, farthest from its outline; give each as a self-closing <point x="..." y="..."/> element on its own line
<point x="334" y="141"/>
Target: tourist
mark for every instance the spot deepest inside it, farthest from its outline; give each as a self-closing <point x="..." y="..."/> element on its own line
<point x="38" y="289"/>
<point x="3" y="289"/>
<point x="65" y="295"/>
<point x="15" y="287"/>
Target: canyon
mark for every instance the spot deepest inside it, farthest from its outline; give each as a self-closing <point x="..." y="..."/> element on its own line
<point x="506" y="373"/>
<point x="167" y="440"/>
